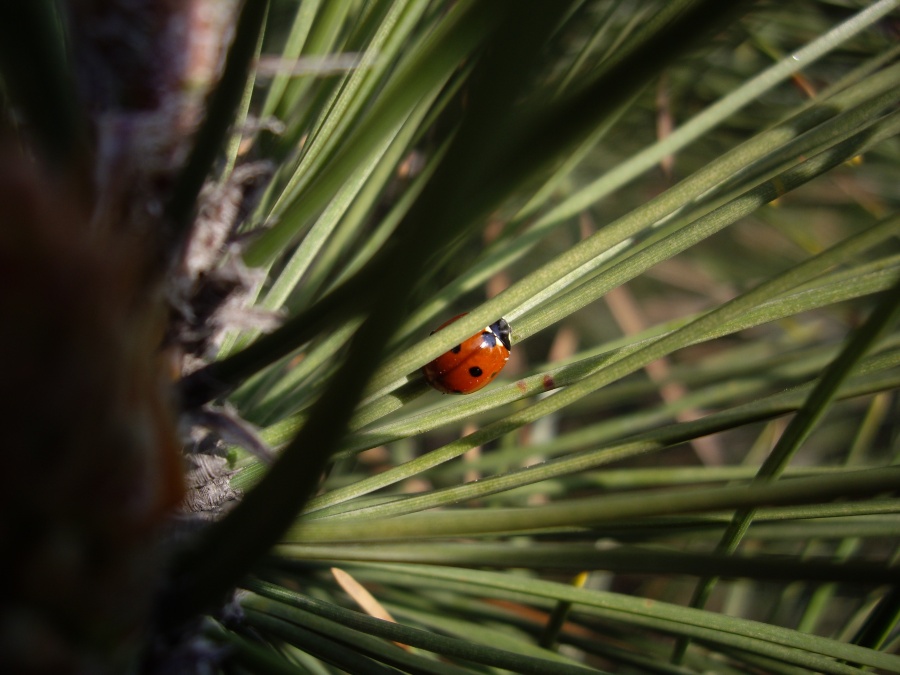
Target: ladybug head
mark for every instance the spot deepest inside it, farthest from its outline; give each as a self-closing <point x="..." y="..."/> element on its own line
<point x="501" y="330"/>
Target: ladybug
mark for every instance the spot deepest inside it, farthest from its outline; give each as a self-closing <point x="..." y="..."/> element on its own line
<point x="469" y="366"/>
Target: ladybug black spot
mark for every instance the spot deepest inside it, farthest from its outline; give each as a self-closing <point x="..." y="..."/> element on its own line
<point x="475" y="371"/>
<point x="456" y="349"/>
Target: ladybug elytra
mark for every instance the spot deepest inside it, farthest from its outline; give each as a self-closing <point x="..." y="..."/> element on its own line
<point x="472" y="364"/>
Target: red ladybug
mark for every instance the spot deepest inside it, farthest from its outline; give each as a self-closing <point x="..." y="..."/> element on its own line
<point x="471" y="365"/>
